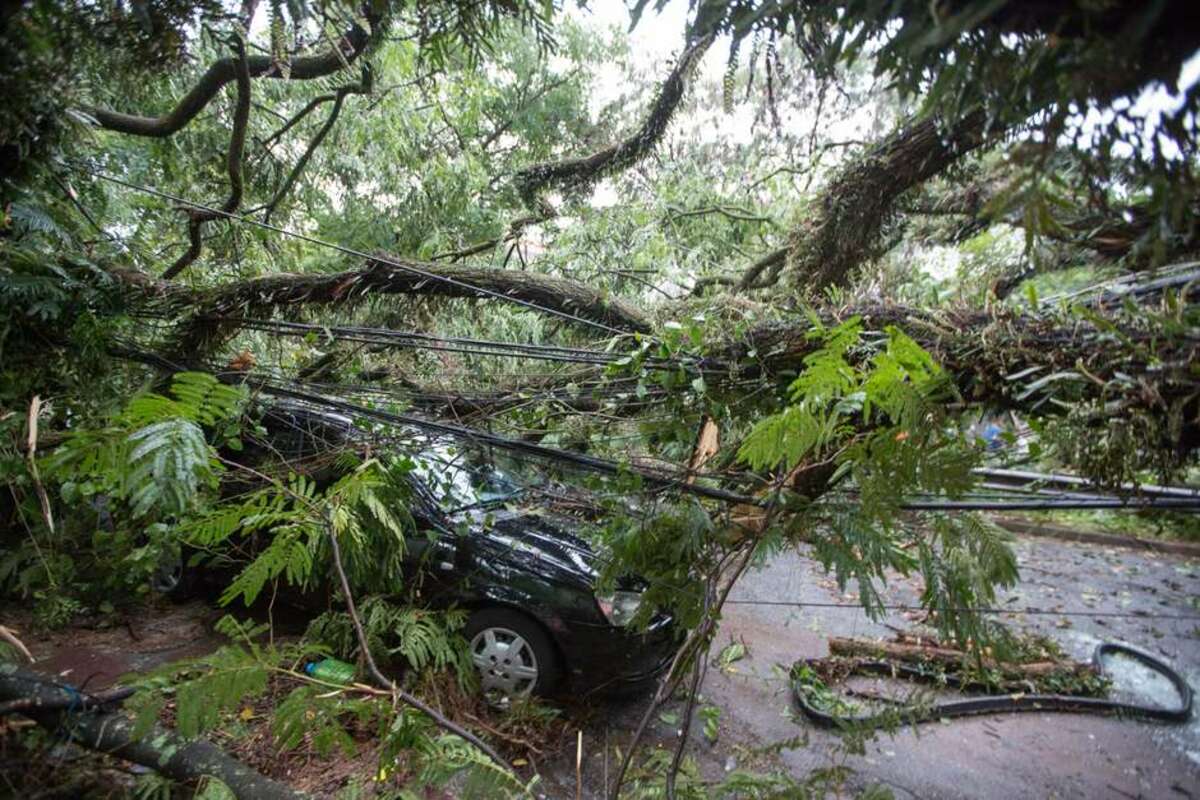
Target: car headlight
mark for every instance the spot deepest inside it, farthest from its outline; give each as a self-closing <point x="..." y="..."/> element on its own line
<point x="619" y="608"/>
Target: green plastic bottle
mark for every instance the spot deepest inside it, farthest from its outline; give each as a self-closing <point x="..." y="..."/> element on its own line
<point x="331" y="670"/>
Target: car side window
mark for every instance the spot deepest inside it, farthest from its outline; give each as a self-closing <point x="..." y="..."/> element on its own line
<point x="431" y="526"/>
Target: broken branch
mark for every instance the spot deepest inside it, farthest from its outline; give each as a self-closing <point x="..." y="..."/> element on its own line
<point x="54" y="707"/>
<point x="585" y="170"/>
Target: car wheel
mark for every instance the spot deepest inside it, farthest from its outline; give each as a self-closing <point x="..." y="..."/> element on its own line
<point x="512" y="654"/>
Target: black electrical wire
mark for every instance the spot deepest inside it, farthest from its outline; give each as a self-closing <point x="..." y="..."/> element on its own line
<point x="416" y="339"/>
<point x="804" y="696"/>
<point x="1040" y="480"/>
<point x="379" y="336"/>
<point x="676" y="479"/>
<point x="1170" y="503"/>
<point x="579" y="460"/>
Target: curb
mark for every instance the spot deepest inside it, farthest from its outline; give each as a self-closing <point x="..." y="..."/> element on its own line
<point x="1028" y="527"/>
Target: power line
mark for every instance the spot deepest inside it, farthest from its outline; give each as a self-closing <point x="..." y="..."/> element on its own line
<point x="674" y="479"/>
<point x="678" y="478"/>
<point x="1026" y="478"/>
<point x="1068" y="501"/>
<point x="987" y="610"/>
<point x="453" y="344"/>
<point x="351" y="251"/>
<point x="663" y="479"/>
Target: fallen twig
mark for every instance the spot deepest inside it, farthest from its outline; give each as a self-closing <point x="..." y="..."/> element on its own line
<point x="381" y="680"/>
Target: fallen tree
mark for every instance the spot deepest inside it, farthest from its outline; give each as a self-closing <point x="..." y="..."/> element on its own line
<point x="1105" y="372"/>
<point x="862" y="195"/>
<point x="202" y="331"/>
<point x="998" y="358"/>
<point x="57" y="707"/>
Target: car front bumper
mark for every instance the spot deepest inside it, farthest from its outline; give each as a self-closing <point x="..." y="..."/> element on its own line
<point x="603" y="659"/>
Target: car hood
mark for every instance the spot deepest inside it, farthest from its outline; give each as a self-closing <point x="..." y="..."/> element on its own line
<point x="536" y="542"/>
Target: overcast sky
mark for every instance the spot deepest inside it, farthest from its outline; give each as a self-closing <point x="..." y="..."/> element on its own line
<point x="659" y="36"/>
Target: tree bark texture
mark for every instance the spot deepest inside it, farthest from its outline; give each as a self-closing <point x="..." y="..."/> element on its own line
<point x="113" y="733"/>
<point x="225" y="70"/>
<point x="202" y="330"/>
<point x="851" y="214"/>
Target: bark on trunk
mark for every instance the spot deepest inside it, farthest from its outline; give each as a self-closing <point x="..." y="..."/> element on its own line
<point x="202" y="330"/>
<point x="225" y="70"/>
<point x="113" y="733"/>
<point x="999" y="359"/>
<point x="913" y="653"/>
<point x="849" y="218"/>
<point x="585" y="170"/>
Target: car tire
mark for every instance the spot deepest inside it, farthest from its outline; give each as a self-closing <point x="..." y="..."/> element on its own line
<point x="513" y="656"/>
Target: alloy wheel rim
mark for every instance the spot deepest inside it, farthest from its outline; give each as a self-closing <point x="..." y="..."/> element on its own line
<point x="506" y="664"/>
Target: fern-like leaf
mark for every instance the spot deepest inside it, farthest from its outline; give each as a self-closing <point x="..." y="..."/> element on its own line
<point x="168" y="464"/>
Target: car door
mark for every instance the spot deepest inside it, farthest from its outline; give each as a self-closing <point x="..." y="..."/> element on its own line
<point x="432" y="558"/>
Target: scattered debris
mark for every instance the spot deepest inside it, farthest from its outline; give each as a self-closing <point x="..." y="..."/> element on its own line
<point x="1054" y="684"/>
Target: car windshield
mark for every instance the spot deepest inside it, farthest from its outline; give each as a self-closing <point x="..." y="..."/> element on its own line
<point x="460" y="480"/>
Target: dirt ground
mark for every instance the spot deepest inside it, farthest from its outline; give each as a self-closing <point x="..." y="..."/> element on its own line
<point x="1042" y="755"/>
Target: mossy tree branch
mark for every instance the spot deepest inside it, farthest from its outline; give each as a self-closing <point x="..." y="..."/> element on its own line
<point x="224" y="71"/>
<point x="233" y="164"/>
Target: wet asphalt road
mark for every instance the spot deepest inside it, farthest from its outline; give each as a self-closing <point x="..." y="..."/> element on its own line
<point x="1001" y="756"/>
<point x="1034" y="755"/>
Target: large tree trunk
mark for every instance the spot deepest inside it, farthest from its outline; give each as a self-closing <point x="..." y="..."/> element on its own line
<point x="113" y="733"/>
<point x="995" y="358"/>
<point x="1006" y="359"/>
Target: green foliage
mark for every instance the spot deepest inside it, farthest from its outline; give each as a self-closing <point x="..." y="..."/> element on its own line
<point x="207" y="687"/>
<point x="155" y="456"/>
<point x="462" y="96"/>
<point x="213" y="789"/>
<point x="426" y="640"/>
<point x="309" y="712"/>
<point x="710" y="717"/>
<point x="894" y="389"/>
<point x="671" y="548"/>
<point x="875" y="411"/>
<point x="208" y="690"/>
<point x="289" y="554"/>
<point x="54" y="293"/>
<point x="292" y="519"/>
<point x="169" y="462"/>
<point x="117" y="491"/>
<point x="962" y="562"/>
